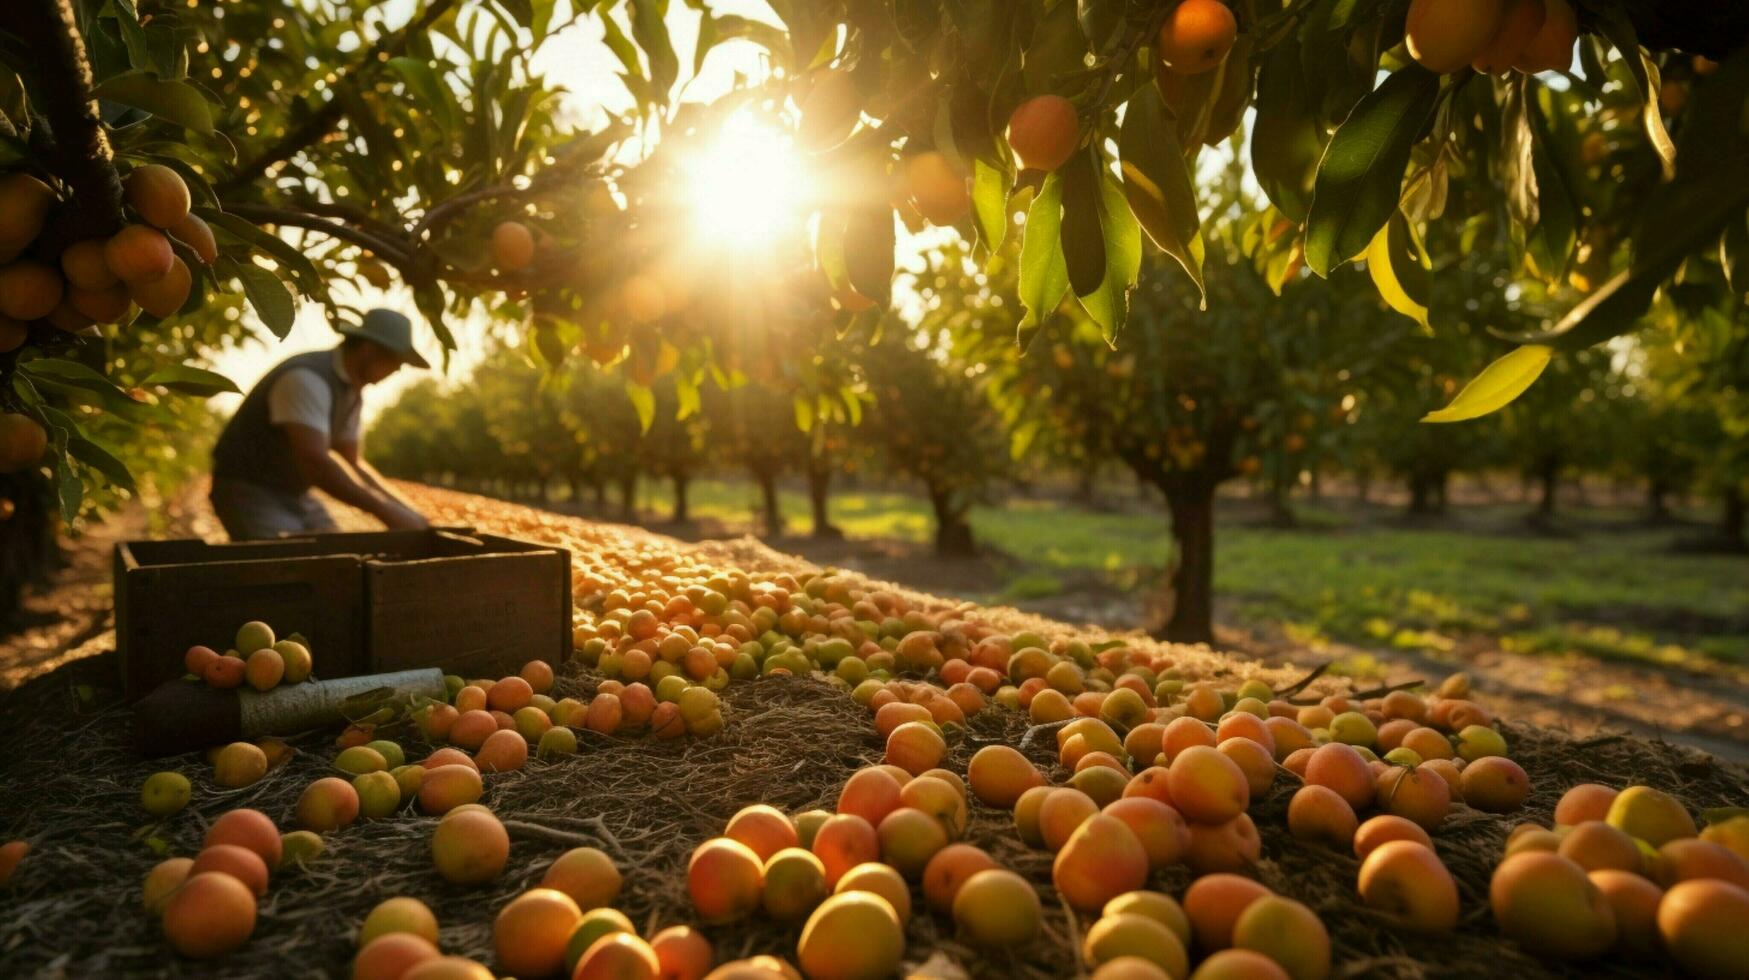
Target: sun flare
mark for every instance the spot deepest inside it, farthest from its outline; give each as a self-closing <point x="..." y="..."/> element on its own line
<point x="747" y="187"/>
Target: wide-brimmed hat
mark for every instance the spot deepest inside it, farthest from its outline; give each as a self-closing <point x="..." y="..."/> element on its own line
<point x="391" y="331"/>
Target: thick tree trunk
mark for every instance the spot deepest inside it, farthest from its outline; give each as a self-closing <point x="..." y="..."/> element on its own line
<point x="1734" y="517"/>
<point x="1086" y="486"/>
<point x="819" y="494"/>
<point x="600" y="488"/>
<point x="770" y="505"/>
<point x="681" y="483"/>
<point x="953" y="533"/>
<point x="1281" y="511"/>
<point x="1548" y="475"/>
<point x="628" y="498"/>
<point x="29" y="550"/>
<point x="1189" y="605"/>
<point x="1426" y="492"/>
<point x="1657" y="500"/>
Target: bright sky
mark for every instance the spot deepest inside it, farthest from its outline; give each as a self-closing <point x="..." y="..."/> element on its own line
<point x="579" y="61"/>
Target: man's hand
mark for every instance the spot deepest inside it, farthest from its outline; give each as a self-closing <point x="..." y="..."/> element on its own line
<point x="405" y="519"/>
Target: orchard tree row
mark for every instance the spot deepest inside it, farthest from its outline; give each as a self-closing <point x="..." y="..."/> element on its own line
<point x="177" y="175"/>
<point x="954" y="412"/>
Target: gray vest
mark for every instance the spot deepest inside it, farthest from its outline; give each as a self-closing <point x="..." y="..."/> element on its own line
<point x="253" y="449"/>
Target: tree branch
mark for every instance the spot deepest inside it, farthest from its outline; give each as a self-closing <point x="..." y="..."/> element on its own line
<point x="394" y="253"/>
<point x="324" y="118"/>
<point x="79" y="153"/>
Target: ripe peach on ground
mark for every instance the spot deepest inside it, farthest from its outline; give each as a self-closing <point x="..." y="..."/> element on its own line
<point x="1101" y="860"/>
<point x="618" y="956"/>
<point x="1207" y="786"/>
<point x="239" y="862"/>
<point x="1290" y="736"/>
<point x="1414" y="794"/>
<point x="470" y="698"/>
<point x="392" y="956"/>
<point x="1387" y="827"/>
<point x="1701" y="923"/>
<point x="248" y="828"/>
<point x="1634" y="900"/>
<point x="909" y="838"/>
<point x="509" y="694"/>
<point x="795" y="882"/>
<point x="1254" y="760"/>
<point x="683" y="953"/>
<point x="843" y="842"/>
<point x="1145" y="741"/>
<point x="1130" y="934"/>
<point x="448" y="968"/>
<point x="915" y="747"/>
<point x="1159" y="906"/>
<point x="869" y="793"/>
<point x="586" y="874"/>
<point x="939" y="799"/>
<point x="471" y="729"/>
<point x="891" y="715"/>
<point x="1026" y="815"/>
<point x="1407" y="880"/>
<point x="881" y="879"/>
<point x="1103" y="784"/>
<point x="997" y="908"/>
<point x="1546" y="904"/>
<point x="239" y="763"/>
<point x="210" y="915"/>
<point x="949" y="869"/>
<point x="1238" y="724"/>
<point x="470" y="847"/>
<point x="595" y="924"/>
<point x="726" y="880"/>
<point x="1339" y="767"/>
<point x="1182" y="733"/>
<point x="327" y="804"/>
<point x="1651" y="815"/>
<point x="530" y="932"/>
<point x="400" y="914"/>
<point x="1689" y="858"/>
<point x="1318" y="813"/>
<point x="1287" y="932"/>
<point x="1213" y="904"/>
<point x="1061" y="812"/>
<point x="1296" y="761"/>
<point x="1160" y="828"/>
<point x="851" y="935"/>
<point x="1428" y="744"/>
<point x="165" y="877"/>
<point x="1594" y="844"/>
<point x="1447" y="769"/>
<point x="1239" y="964"/>
<point x="1230" y="846"/>
<point x="446" y="787"/>
<point x="764" y="829"/>
<point x="1495" y="784"/>
<point x="448" y="756"/>
<point x="808" y="824"/>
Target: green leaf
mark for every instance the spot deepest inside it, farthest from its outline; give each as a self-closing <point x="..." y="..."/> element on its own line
<point x="1286" y="139"/>
<point x="1044" y="273"/>
<point x="990" y="204"/>
<point x="1549" y="244"/>
<point x="643" y="402"/>
<point x="1157" y="182"/>
<point x="422" y="80"/>
<point x="650" y="30"/>
<point x="1057" y="48"/>
<point x="101" y="460"/>
<point x="1109" y="306"/>
<point x="189" y="380"/>
<point x="1361" y="175"/>
<point x="278" y="249"/>
<point x="1083" y="239"/>
<point x="177" y="102"/>
<point x="803" y="409"/>
<point x="1497" y="385"/>
<point x="868" y="252"/>
<point x="1615" y="25"/>
<point x="273" y="302"/>
<point x="1401" y="269"/>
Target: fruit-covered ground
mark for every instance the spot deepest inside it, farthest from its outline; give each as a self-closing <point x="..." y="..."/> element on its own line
<point x="71" y="788"/>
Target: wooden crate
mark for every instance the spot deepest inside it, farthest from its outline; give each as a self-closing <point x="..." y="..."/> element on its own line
<point x="474" y="604"/>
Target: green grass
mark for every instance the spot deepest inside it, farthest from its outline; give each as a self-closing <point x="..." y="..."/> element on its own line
<point x="1617" y="594"/>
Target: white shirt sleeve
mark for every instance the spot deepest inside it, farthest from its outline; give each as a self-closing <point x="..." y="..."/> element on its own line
<point x="300" y="396"/>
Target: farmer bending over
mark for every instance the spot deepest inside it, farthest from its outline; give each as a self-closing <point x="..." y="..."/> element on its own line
<point x="298" y="429"/>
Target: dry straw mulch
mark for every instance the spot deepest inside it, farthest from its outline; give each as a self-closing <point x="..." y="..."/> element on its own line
<point x="69" y="784"/>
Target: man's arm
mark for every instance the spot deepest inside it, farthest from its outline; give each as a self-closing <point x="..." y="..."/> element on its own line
<point x="322" y="466"/>
<point x="368" y="474"/>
